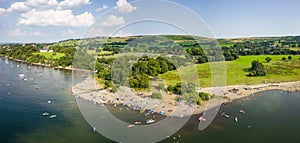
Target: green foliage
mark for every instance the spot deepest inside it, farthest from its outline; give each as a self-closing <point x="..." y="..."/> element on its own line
<point x="268" y="59"/>
<point x="83" y="60"/>
<point x="290" y="58"/>
<point x="257" y="69"/>
<point x="161" y="86"/>
<point x="156" y="95"/>
<point x="107" y="84"/>
<point x="187" y="92"/>
<point x="204" y="96"/>
<point x="141" y="81"/>
<point x="114" y="89"/>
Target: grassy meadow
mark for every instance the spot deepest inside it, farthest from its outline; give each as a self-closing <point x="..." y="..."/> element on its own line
<point x="49" y="54"/>
<point x="236" y="71"/>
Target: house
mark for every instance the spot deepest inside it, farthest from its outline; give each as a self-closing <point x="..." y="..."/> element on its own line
<point x="43" y="51"/>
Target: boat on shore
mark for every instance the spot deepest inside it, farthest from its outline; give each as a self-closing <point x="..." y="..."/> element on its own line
<point x="150" y="121"/>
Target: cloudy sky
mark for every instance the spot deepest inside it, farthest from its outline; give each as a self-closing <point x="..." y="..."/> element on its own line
<point x="55" y="20"/>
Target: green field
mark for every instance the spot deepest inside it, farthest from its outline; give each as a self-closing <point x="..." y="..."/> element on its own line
<point x="49" y="54"/>
<point x="236" y="71"/>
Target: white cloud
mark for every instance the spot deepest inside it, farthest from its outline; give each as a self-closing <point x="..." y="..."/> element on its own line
<point x="18" y="7"/>
<point x="41" y="4"/>
<point x="72" y="3"/>
<point x="124" y="6"/>
<point x="102" y="8"/>
<point x="46" y="5"/>
<point x="69" y="32"/>
<point x="56" y="18"/>
<point x="19" y="32"/>
<point x="113" y="20"/>
<point x="2" y="10"/>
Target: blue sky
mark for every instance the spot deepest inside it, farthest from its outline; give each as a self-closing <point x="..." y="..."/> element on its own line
<point x="55" y="20"/>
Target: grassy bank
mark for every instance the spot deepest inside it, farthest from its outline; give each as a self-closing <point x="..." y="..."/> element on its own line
<point x="49" y="54"/>
<point x="236" y="71"/>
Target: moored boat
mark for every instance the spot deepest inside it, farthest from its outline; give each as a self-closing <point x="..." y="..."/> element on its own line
<point x="130" y="126"/>
<point x="150" y="121"/>
<point x="137" y="123"/>
<point x="242" y="111"/>
<point x="236" y="119"/>
<point x="52" y="116"/>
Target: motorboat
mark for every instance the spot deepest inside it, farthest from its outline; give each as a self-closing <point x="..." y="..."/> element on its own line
<point x="137" y="123"/>
<point x="236" y="119"/>
<point x="52" y="116"/>
<point x="130" y="126"/>
<point x="150" y="121"/>
<point x="227" y="116"/>
<point x="242" y="111"/>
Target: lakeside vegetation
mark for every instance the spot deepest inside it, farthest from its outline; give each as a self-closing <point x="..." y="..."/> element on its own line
<point x="137" y="61"/>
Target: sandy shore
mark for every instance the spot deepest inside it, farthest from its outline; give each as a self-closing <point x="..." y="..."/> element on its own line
<point x="91" y="91"/>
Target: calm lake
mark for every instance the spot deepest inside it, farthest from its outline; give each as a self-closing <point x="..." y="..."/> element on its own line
<point x="274" y="116"/>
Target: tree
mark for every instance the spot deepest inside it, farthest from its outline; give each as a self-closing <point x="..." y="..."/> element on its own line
<point x="284" y="58"/>
<point x="114" y="89"/>
<point x="170" y="88"/>
<point x="107" y="84"/>
<point x="268" y="59"/>
<point x="290" y="58"/>
<point x="204" y="96"/>
<point x="257" y="69"/>
<point x="161" y="86"/>
<point x="156" y="95"/>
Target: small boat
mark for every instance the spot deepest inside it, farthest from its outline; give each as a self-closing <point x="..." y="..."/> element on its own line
<point x="227" y="116"/>
<point x="94" y="129"/>
<point x="45" y="114"/>
<point x="137" y="123"/>
<point x="49" y="102"/>
<point x="242" y="111"/>
<point x="236" y="119"/>
<point x="150" y="121"/>
<point x="130" y="126"/>
<point x="21" y="75"/>
<point x="52" y="116"/>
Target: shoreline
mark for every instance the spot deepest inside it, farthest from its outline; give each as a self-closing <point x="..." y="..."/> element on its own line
<point x="69" y="68"/>
<point x="91" y="91"/>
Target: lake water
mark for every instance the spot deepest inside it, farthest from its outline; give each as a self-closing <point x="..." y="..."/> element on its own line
<point x="274" y="116"/>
